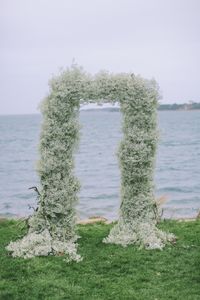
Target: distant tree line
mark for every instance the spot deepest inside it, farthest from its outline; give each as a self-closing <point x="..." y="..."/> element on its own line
<point x="183" y="106"/>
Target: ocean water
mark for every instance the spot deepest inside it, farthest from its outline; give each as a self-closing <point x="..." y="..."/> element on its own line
<point x="177" y="174"/>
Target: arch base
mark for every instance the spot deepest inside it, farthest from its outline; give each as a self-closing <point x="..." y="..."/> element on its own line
<point x="42" y="244"/>
<point x="144" y="234"/>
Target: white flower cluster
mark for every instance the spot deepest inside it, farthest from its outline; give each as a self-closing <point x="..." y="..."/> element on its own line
<point x="138" y="210"/>
<point x="42" y="244"/>
<point x="52" y="226"/>
<point x="141" y="233"/>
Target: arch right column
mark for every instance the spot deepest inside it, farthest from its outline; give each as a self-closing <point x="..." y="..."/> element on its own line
<point x="137" y="153"/>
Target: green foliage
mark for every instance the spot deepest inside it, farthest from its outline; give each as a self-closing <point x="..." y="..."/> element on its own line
<point x="107" y="271"/>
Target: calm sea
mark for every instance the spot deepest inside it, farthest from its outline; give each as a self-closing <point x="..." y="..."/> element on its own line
<point x="177" y="173"/>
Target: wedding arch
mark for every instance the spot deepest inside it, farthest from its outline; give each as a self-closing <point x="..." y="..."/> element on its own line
<point x="52" y="227"/>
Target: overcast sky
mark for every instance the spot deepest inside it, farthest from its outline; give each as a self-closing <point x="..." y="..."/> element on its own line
<point x="154" y="38"/>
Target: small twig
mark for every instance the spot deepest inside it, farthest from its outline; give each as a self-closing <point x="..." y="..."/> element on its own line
<point x="31" y="207"/>
<point x="162" y="212"/>
<point x="35" y="189"/>
<point x="25" y="221"/>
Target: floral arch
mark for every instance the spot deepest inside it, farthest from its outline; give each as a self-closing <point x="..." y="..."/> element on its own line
<point x="52" y="226"/>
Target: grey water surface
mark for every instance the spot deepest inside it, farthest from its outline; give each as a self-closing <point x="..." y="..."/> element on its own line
<point x="177" y="174"/>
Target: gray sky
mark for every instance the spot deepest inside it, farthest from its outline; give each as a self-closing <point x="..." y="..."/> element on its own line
<point x="154" y="38"/>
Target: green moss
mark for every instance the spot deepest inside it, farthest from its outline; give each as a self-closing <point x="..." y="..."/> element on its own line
<point x="108" y="271"/>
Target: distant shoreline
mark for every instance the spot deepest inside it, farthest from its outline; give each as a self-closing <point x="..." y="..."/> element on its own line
<point x="193" y="106"/>
<point x="182" y="107"/>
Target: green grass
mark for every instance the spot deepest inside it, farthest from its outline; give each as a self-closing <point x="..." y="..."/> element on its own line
<point x="107" y="271"/>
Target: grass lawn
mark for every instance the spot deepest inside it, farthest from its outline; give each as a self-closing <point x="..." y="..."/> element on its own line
<point x="107" y="271"/>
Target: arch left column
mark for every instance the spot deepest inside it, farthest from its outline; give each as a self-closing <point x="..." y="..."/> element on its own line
<point x="52" y="226"/>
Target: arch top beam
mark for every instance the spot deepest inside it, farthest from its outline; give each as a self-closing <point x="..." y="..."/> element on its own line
<point x="75" y="84"/>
